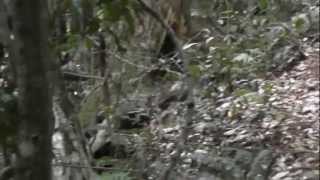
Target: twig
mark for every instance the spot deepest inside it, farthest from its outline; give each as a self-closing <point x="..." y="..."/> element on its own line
<point x="79" y="166"/>
<point x="170" y="32"/>
<point x="86" y="76"/>
<point x="116" y="39"/>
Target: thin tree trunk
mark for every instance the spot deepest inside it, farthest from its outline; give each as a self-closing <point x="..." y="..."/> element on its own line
<point x="31" y="59"/>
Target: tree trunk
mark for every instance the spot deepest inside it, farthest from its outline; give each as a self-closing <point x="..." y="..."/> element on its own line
<point x="31" y="60"/>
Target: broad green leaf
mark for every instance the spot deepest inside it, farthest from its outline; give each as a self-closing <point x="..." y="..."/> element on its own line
<point x="301" y="22"/>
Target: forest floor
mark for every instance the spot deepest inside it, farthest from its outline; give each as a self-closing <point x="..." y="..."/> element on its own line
<point x="298" y="135"/>
<point x="278" y="131"/>
<point x="289" y="129"/>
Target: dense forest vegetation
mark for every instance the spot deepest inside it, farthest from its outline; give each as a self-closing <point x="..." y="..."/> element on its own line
<point x="159" y="89"/>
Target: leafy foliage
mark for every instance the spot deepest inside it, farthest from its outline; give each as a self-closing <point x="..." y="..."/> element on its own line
<point x="253" y="41"/>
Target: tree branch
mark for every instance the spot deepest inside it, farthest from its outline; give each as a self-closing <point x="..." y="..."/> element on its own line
<point x="170" y="31"/>
<point x="79" y="77"/>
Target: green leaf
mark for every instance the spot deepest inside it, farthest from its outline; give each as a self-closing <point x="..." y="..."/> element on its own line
<point x="268" y="88"/>
<point x="112" y="13"/>
<point x="109" y="110"/>
<point x="88" y="43"/>
<point x="93" y="26"/>
<point x="114" y="10"/>
<point x="263" y="4"/>
<point x="72" y="41"/>
<point x="241" y="92"/>
<point x="195" y="71"/>
<point x="301" y="22"/>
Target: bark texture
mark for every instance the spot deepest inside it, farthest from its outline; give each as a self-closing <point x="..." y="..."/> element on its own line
<point x="31" y="62"/>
